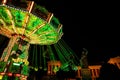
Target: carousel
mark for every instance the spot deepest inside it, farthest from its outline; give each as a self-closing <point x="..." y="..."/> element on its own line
<point x="24" y="26"/>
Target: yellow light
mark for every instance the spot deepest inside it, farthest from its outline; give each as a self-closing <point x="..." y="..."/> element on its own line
<point x="1" y="77"/>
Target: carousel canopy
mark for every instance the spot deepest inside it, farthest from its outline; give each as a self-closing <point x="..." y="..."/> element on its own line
<point x="37" y="27"/>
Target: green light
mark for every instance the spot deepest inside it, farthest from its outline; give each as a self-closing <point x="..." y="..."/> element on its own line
<point x="18" y="17"/>
<point x="4" y="15"/>
<point x="25" y="70"/>
<point x="55" y="22"/>
<point x="36" y="69"/>
<point x="35" y="28"/>
<point x="45" y="69"/>
<point x="16" y="64"/>
<point x="2" y="66"/>
<point x="33" y="22"/>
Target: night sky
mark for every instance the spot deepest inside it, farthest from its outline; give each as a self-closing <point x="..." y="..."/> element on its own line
<point x="90" y="25"/>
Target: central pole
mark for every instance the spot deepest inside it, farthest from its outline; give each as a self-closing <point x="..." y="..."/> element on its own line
<point x="7" y="51"/>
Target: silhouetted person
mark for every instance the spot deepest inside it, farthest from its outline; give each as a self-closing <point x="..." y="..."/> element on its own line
<point x="109" y="72"/>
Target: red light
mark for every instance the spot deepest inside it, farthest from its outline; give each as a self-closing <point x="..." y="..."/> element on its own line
<point x="2" y="73"/>
<point x="18" y="75"/>
<point x="9" y="74"/>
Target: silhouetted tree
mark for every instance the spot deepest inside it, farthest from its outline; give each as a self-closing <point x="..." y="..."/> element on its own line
<point x="109" y="72"/>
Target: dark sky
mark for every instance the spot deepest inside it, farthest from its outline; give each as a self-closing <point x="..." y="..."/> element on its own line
<point x="90" y="25"/>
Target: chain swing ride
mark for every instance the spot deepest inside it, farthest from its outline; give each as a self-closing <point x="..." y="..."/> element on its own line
<point x="25" y="27"/>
